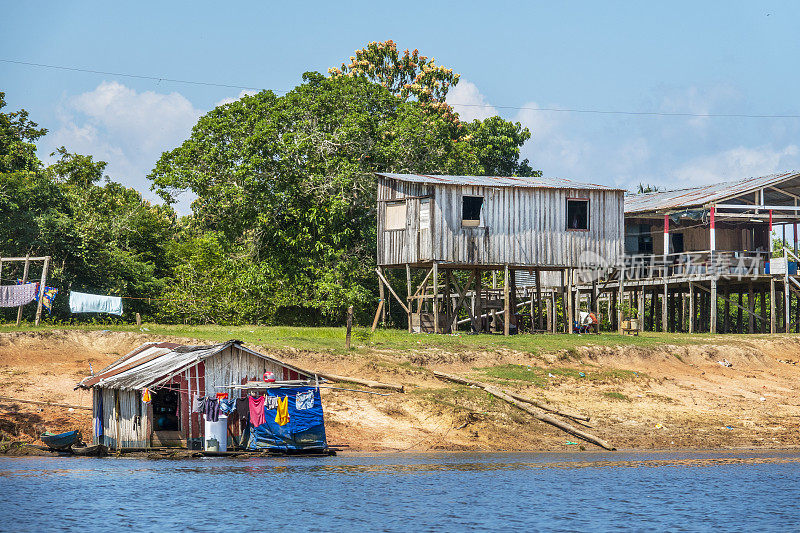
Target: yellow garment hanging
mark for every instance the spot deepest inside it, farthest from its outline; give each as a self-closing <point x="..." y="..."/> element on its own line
<point x="282" y="412"/>
<point x="146" y="396"/>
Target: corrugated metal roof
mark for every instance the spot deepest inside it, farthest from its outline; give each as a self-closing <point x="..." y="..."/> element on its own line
<point x="495" y="181"/>
<point x="157" y="362"/>
<point x="701" y="195"/>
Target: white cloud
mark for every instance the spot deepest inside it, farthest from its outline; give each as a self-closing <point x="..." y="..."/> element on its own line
<point x="126" y="128"/>
<point x="469" y="103"/>
<point x="229" y="100"/>
<point x="737" y="163"/>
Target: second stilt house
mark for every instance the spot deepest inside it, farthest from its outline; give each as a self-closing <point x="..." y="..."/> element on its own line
<point x="450" y="232"/>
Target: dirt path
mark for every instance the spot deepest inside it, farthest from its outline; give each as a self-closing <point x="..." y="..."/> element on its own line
<point x="664" y="397"/>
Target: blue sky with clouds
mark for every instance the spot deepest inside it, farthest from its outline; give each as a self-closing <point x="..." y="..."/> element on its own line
<point x="672" y="57"/>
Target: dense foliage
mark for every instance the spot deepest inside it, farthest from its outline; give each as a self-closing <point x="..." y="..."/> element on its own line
<point x="283" y="228"/>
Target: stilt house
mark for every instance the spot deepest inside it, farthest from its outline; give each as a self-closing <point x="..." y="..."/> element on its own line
<point x="174" y="373"/>
<point x="703" y="259"/>
<point x="464" y="227"/>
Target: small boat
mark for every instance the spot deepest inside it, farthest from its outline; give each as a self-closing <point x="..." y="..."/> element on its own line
<point x="60" y="441"/>
<point x="98" y="450"/>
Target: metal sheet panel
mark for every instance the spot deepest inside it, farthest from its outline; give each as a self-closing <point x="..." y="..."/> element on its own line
<point x="495" y="181"/>
<point x="702" y="195"/>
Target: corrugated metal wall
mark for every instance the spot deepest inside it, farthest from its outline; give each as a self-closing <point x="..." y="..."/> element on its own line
<point x="520" y="226"/>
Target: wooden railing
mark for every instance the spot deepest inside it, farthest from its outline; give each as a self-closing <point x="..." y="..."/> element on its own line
<point x="696" y="263"/>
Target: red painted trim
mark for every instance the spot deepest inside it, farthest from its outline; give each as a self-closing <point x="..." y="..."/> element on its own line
<point x="770" y="220"/>
<point x="713" y="212"/>
<point x="666" y="223"/>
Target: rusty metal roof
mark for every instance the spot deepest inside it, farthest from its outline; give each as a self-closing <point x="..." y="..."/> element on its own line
<point x="701" y="195"/>
<point x="153" y="363"/>
<point x="495" y="181"/>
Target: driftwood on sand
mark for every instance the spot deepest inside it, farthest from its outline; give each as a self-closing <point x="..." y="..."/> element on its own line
<point x="364" y="382"/>
<point x="543" y="406"/>
<point x="527" y="406"/>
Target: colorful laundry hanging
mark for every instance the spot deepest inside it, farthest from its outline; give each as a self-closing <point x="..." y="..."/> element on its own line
<point x="16" y="295"/>
<point x="304" y="400"/>
<point x="81" y="302"/>
<point x="257" y="417"/>
<point x="49" y="295"/>
<point x="282" y="412"/>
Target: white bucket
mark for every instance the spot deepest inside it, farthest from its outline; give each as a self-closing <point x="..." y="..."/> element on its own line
<point x="215" y="436"/>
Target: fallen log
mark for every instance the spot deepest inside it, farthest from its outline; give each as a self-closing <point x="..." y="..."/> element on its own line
<point x="544" y="417"/>
<point x="363" y="382"/>
<point x="543" y="406"/>
<point x="537" y="413"/>
<point x="51" y="404"/>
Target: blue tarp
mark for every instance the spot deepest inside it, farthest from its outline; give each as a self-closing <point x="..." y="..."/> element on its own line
<point x="305" y="429"/>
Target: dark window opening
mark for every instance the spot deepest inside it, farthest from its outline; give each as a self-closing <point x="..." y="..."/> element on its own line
<point x="577" y="214"/>
<point x="165" y="410"/>
<point x="471" y="210"/>
<point x="677" y="243"/>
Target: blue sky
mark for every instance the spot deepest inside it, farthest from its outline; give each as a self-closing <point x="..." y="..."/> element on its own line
<point x="694" y="57"/>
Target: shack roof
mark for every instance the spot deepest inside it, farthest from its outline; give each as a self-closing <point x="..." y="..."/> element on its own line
<point x="495" y="181"/>
<point x="155" y="362"/>
<point x="706" y="194"/>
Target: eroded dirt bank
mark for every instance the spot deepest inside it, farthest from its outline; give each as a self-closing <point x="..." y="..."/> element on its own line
<point x="646" y="398"/>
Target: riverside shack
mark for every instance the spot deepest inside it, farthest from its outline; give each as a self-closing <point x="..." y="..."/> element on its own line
<point x="148" y="398"/>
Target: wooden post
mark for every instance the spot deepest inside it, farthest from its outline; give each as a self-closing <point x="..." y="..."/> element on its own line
<point x="494" y="311"/>
<point x="739" y="313"/>
<point x="570" y="302"/>
<point x="691" y="307"/>
<point x="382" y="296"/>
<point x="42" y="283"/>
<point x="447" y="301"/>
<point x="478" y="302"/>
<point x="138" y="319"/>
<point x="787" y="305"/>
<point x="533" y="321"/>
<point x="408" y="298"/>
<point x="726" y="324"/>
<point x="539" y="308"/>
<point x="712" y="303"/>
<point x="640" y="309"/>
<point x="506" y="301"/>
<point x="24" y="280"/>
<point x="763" y="324"/>
<point x="772" y="302"/>
<point x="751" y="304"/>
<point x="349" y="327"/>
<point x="620" y="300"/>
<point x="436" y="328"/>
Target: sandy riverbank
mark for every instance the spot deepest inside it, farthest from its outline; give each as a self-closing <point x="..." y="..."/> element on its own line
<point x="655" y="397"/>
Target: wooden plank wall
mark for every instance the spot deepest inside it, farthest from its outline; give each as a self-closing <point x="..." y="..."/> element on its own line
<point x="521" y="226"/>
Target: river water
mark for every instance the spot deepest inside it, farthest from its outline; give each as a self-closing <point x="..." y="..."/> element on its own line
<point x="678" y="491"/>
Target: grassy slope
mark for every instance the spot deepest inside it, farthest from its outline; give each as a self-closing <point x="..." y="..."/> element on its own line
<point x="332" y="339"/>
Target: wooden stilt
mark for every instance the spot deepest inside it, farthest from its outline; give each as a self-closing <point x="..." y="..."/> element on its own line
<point x="24" y="280"/>
<point x="664" y="308"/>
<point x="436" y="327"/>
<point x="569" y="303"/>
<point x="739" y="312"/>
<point x="712" y="304"/>
<point x="762" y="323"/>
<point x="506" y="302"/>
<point x="42" y="283"/>
<point x="382" y="296"/>
<point x="751" y="307"/>
<point x="691" y="307"/>
<point x="408" y="298"/>
<point x="772" y="328"/>
<point x="478" y="302"/>
<point x="726" y="320"/>
<point x="447" y="301"/>
<point x="640" y="308"/>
